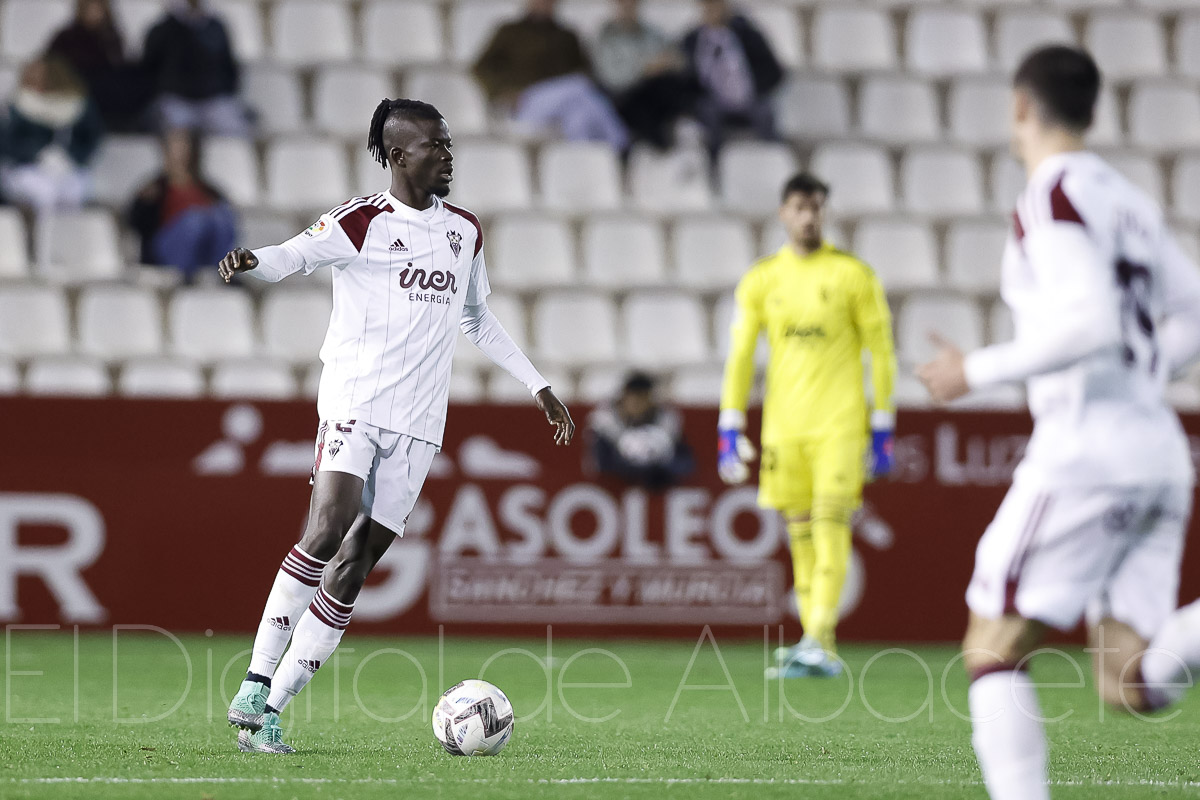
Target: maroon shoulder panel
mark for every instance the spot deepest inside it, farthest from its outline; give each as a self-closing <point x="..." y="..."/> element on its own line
<point x="356" y="221"/>
<point x="1061" y="207"/>
<point x="474" y="220"/>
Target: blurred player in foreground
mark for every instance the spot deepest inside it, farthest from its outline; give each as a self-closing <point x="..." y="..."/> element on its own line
<point x="408" y="273"/>
<point x="820" y="307"/>
<point x="1106" y="308"/>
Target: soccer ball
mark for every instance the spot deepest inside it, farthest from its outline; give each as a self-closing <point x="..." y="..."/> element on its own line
<point x="473" y="718"/>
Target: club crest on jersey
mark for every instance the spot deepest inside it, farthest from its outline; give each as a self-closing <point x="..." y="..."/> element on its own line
<point x="334" y="447"/>
<point x="455" y="241"/>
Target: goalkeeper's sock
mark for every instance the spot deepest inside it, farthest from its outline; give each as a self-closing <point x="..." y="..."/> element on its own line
<point x="831" y="545"/>
<point x="1168" y="666"/>
<point x="294" y="587"/>
<point x="1008" y="736"/>
<point x="804" y="560"/>
<point x="317" y="636"/>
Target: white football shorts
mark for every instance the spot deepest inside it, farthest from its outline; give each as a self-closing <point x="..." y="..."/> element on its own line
<point x="1054" y="554"/>
<point x="392" y="465"/>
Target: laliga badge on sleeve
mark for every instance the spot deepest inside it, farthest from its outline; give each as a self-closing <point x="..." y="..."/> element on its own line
<point x="321" y="228"/>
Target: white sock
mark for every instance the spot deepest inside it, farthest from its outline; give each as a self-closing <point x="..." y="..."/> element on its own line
<point x="293" y="590"/>
<point x="316" y="637"/>
<point x="1008" y="736"/>
<point x="1173" y="658"/>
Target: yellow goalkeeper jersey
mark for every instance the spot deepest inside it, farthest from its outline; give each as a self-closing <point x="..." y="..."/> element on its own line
<point x="819" y="311"/>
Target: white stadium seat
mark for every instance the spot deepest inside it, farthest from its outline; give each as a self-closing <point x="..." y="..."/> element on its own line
<point x="275" y="95"/>
<point x="898" y="110"/>
<point x="579" y="177"/>
<point x="674" y="17"/>
<point x="946" y="41"/>
<point x="711" y="252"/>
<point x="860" y="177"/>
<point x="575" y="328"/>
<point x="232" y="165"/>
<point x="134" y="18"/>
<point x="84" y="247"/>
<point x="722" y="319"/>
<point x="345" y="97"/>
<point x="207" y="324"/>
<point x="456" y="95"/>
<point x="10" y="377"/>
<point x="1187" y="45"/>
<point x="623" y="251"/>
<point x="979" y="112"/>
<point x="26" y="26"/>
<point x="122" y="166"/>
<point x="697" y="386"/>
<point x="1142" y="170"/>
<point x="1106" y="127"/>
<point x="294" y="322"/>
<point x="117" y="322"/>
<point x="585" y="17"/>
<point x="853" y="39"/>
<point x="306" y="175"/>
<point x="257" y="379"/>
<point x="503" y="389"/>
<point x="670" y="183"/>
<point x="1000" y="323"/>
<point x="751" y="173"/>
<point x="781" y="26"/>
<point x="903" y="254"/>
<point x="937" y="181"/>
<point x="974" y="250"/>
<point x="1185" y="200"/>
<point x="311" y="32"/>
<point x="956" y="318"/>
<point x="1127" y="44"/>
<point x="421" y="20"/>
<point x="67" y="377"/>
<point x="530" y="252"/>
<point x="1165" y="116"/>
<point x="466" y="386"/>
<point x="310" y="381"/>
<point x="664" y="330"/>
<point x="1021" y="30"/>
<point x="160" y="377"/>
<point x="244" y="22"/>
<point x="813" y="108"/>
<point x="261" y="228"/>
<point x="1008" y="181"/>
<point x="492" y="176"/>
<point x="33" y="321"/>
<point x="472" y="23"/>
<point x="601" y="384"/>
<point x="14" y="252"/>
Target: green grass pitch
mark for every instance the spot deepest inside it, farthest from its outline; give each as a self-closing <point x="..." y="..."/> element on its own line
<point x="607" y="719"/>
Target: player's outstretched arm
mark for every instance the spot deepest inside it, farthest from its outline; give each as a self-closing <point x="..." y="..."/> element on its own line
<point x="557" y="415"/>
<point x="235" y="261"/>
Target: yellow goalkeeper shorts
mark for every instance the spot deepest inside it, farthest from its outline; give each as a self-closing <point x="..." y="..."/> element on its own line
<point x="791" y="474"/>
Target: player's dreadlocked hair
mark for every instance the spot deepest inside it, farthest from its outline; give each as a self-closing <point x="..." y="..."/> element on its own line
<point x="413" y="109"/>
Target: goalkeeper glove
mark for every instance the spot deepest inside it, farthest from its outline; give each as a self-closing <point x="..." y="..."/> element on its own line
<point x="733" y="448"/>
<point x="883" y="424"/>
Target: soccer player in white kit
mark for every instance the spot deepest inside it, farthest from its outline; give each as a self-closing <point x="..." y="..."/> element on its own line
<point x="408" y="274"/>
<point x="1106" y="307"/>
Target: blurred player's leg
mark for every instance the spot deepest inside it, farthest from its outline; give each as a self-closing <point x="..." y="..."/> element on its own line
<point x="804" y="561"/>
<point x="1172" y="661"/>
<point x="831" y="545"/>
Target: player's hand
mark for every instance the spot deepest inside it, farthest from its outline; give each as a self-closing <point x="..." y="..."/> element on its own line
<point x="945" y="376"/>
<point x="235" y="261"/>
<point x="557" y="415"/>
<point x="734" y="452"/>
<point x="883" y="441"/>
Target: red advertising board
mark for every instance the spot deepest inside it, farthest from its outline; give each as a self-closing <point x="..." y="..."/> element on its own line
<point x="177" y="514"/>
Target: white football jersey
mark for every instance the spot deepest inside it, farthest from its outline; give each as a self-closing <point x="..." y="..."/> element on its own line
<point x="401" y="278"/>
<point x="1105" y="307"/>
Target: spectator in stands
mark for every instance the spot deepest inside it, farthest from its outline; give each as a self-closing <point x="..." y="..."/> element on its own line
<point x="91" y="43"/>
<point x="639" y="440"/>
<point x="190" y="61"/>
<point x="735" y="71"/>
<point x="183" y="220"/>
<point x="538" y="68"/>
<point x="642" y="71"/>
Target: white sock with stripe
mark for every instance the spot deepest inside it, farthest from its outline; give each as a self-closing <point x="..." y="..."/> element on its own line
<point x="294" y="587"/>
<point x="317" y="635"/>
<point x="1008" y="736"/>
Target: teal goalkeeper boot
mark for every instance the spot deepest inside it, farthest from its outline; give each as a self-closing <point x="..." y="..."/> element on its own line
<point x="786" y="655"/>
<point x="249" y="706"/>
<point x="269" y="738"/>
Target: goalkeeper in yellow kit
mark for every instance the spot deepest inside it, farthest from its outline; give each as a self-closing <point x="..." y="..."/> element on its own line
<point x="820" y="307"/>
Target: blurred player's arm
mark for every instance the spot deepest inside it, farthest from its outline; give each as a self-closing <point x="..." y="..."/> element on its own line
<point x="734" y="449"/>
<point x="1179" y="332"/>
<point x="324" y="244"/>
<point x="874" y="321"/>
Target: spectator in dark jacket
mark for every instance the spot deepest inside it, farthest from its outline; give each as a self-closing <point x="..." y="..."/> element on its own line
<point x="183" y="221"/>
<point x="639" y="440"/>
<point x="190" y="61"/>
<point x="91" y="43"/>
<point x="735" y="71"/>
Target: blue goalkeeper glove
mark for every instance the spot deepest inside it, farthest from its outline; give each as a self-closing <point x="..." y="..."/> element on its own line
<point x="883" y="440"/>
<point x="734" y="450"/>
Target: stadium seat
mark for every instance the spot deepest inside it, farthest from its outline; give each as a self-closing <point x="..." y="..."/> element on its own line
<point x="751" y="173"/>
<point x="345" y="97"/>
<point x="575" y="328"/>
<point x="1127" y="44"/>
<point x="711" y="253"/>
<point x="254" y="378"/>
<point x="1187" y="45"/>
<point x="942" y="182"/>
<point x="1185" y="198"/>
<point x="974" y="250"/>
<point x="456" y="95"/>
<point x="160" y="377"/>
<point x="421" y="21"/>
<point x="1000" y="323"/>
<point x="306" y="175"/>
<point x="979" y="111"/>
<point x="722" y="319"/>
<point x="134" y="18"/>
<point x="244" y="21"/>
<point x="530" y="252"/>
<point x="1008" y="181"/>
<point x="207" y="324"/>
<point x="585" y="17"/>
<point x="14" y="252"/>
<point x="492" y="176"/>
<point x="122" y="166"/>
<point x="600" y="384"/>
<point x="261" y="228"/>
<point x="910" y="393"/>
<point x="579" y="177"/>
<point x="504" y="389"/>
<point x="774" y="237"/>
<point x="10" y="377"/>
<point x="26" y="26"/>
<point x="902" y="253"/>
<point x="898" y="110"/>
<point x="84" y="247"/>
<point x="1142" y="170"/>
<point x="472" y="23"/>
<point x="664" y="330"/>
<point x="294" y="322"/>
<point x="275" y="96"/>
<point x="1020" y="30"/>
<point x="853" y="39"/>
<point x="781" y="25"/>
<point x="232" y="165"/>
<point x="311" y="32"/>
<point x="67" y="376"/>
<point x="117" y="322"/>
<point x="1165" y="116"/>
<point x="669" y="183"/>
<point x="623" y="251"/>
<point x="1106" y="127"/>
<point x="946" y="41"/>
<point x="956" y="318"/>
<point x="813" y="108"/>
<point x="697" y="386"/>
<point x="34" y="320"/>
<point x="466" y="386"/>
<point x="673" y="17"/>
<point x="860" y="175"/>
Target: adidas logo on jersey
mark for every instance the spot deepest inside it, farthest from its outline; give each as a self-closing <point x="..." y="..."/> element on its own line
<point x="283" y="623"/>
<point x="311" y="665"/>
<point x="398" y="247"/>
